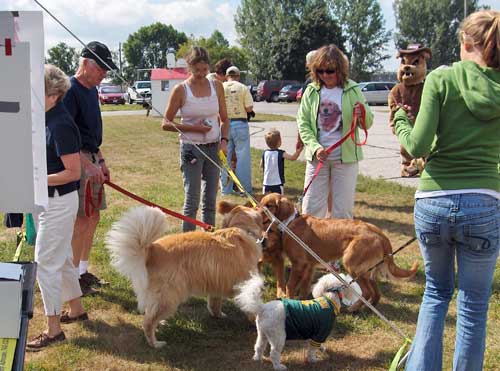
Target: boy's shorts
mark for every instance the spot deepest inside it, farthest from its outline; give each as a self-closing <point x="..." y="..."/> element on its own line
<point x="272" y="189"/>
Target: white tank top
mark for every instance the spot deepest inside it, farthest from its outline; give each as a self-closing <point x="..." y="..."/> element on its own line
<point x="201" y="108"/>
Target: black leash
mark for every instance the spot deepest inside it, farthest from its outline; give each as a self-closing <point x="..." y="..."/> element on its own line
<point x="407" y="243"/>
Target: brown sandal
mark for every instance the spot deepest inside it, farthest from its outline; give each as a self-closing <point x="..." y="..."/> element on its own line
<point x="65" y="318"/>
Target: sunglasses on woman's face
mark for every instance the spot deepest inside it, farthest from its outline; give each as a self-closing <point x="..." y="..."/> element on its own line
<point x="329" y="71"/>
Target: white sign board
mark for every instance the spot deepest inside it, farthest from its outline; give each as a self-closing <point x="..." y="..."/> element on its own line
<point x="23" y="184"/>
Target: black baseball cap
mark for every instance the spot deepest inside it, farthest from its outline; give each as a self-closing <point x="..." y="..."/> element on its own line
<point x="102" y="51"/>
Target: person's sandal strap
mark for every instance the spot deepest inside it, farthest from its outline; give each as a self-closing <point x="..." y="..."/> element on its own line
<point x="65" y="318"/>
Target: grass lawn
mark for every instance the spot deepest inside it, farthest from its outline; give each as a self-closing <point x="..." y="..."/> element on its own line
<point x="121" y="107"/>
<point x="144" y="160"/>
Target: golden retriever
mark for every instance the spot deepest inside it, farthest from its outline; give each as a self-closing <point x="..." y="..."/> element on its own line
<point x="166" y="270"/>
<point x="360" y="245"/>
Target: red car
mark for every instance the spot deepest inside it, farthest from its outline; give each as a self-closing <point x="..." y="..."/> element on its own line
<point x="111" y="95"/>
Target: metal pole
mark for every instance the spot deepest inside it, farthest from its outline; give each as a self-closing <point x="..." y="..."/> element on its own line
<point x="465" y="9"/>
<point x="120" y="56"/>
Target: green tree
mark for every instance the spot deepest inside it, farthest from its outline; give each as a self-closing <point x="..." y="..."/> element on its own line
<point x="363" y="26"/>
<point x="432" y="23"/>
<point x="278" y="34"/>
<point x="218" y="48"/>
<point x="148" y="46"/>
<point x="65" y="57"/>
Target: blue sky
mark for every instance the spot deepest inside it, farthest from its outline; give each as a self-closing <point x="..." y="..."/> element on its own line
<point x="111" y="21"/>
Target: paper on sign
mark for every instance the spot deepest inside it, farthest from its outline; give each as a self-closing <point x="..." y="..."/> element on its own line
<point x="9" y="271"/>
<point x="6" y="26"/>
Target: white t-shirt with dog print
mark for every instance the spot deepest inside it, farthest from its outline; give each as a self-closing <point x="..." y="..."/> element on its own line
<point x="330" y="119"/>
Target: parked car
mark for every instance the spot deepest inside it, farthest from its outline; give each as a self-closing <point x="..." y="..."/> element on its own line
<point x="268" y="90"/>
<point x="376" y="92"/>
<point x="111" y="94"/>
<point x="289" y="93"/>
<point x="140" y="92"/>
<point x="298" y="97"/>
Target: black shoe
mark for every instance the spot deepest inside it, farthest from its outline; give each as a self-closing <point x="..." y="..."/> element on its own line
<point x="43" y="340"/>
<point x="92" y="280"/>
<point x="85" y="286"/>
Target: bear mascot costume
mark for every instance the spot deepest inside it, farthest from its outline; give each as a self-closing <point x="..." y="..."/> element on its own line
<point x="411" y="76"/>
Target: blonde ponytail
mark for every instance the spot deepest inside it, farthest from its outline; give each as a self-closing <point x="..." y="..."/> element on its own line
<point x="484" y="29"/>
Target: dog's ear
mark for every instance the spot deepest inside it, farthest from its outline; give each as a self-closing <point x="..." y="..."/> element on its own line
<point x="224" y="207"/>
<point x="285" y="208"/>
<point x="427" y="54"/>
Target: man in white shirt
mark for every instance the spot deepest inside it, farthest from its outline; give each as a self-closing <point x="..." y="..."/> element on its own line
<point x="238" y="102"/>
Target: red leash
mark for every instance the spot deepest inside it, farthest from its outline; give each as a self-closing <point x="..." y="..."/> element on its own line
<point x="351" y="133"/>
<point x="90" y="207"/>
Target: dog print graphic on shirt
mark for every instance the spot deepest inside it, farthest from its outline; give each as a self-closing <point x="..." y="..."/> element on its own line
<point x="329" y="115"/>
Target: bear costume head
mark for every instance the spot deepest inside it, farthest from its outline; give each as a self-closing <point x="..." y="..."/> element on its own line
<point x="413" y="67"/>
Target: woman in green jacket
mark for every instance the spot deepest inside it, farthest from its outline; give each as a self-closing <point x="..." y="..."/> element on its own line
<point x="457" y="208"/>
<point x="324" y="116"/>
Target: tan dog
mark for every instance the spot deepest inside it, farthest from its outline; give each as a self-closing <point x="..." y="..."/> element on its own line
<point x="411" y="76"/>
<point x="360" y="245"/>
<point x="167" y="271"/>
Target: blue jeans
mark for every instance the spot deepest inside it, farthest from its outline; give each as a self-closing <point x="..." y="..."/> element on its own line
<point x="464" y="227"/>
<point x="239" y="143"/>
<point x="200" y="175"/>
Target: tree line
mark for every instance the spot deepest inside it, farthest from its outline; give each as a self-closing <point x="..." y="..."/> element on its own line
<point x="276" y="35"/>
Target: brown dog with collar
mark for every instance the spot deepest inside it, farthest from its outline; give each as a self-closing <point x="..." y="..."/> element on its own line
<point x="360" y="245"/>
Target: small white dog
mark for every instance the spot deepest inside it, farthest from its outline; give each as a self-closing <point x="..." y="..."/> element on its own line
<point x="283" y="319"/>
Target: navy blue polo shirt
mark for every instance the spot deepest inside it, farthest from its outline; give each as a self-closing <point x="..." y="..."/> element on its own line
<point x="62" y="138"/>
<point x="83" y="105"/>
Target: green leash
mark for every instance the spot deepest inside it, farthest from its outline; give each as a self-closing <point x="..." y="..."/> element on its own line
<point x="399" y="354"/>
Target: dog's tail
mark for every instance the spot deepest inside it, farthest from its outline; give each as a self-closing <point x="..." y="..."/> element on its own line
<point x="248" y="298"/>
<point x="128" y="240"/>
<point x="390" y="270"/>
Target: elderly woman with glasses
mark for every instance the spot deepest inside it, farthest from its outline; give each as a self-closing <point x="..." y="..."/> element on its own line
<point x="324" y="117"/>
<point x="57" y="276"/>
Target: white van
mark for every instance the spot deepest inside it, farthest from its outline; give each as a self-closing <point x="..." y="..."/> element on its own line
<point x="376" y="92"/>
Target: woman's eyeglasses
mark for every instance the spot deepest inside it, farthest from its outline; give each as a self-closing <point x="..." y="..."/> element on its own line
<point x="329" y="71"/>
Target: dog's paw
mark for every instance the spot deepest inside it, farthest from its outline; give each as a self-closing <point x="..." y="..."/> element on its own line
<point x="313" y="359"/>
<point x="280" y="367"/>
<point x="257" y="357"/>
<point x="159" y="344"/>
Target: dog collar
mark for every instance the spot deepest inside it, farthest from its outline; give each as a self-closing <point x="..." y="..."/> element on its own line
<point x="288" y="220"/>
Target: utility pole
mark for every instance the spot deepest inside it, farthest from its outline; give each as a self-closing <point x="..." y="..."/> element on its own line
<point x="465" y="9"/>
<point x="120" y="56"/>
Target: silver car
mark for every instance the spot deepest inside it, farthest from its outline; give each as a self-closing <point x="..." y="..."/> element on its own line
<point x="376" y="92"/>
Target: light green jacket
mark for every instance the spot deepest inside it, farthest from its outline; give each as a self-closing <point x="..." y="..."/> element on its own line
<point x="307" y="118"/>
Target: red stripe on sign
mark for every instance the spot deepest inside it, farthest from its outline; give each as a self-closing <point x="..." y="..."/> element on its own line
<point x="8" y="47"/>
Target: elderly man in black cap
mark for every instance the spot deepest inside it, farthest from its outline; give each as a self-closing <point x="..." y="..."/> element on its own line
<point x="82" y="103"/>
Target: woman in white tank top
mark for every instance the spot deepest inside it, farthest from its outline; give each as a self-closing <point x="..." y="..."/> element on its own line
<point x="201" y="103"/>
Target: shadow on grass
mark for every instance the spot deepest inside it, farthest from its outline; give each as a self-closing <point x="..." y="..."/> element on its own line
<point x="381" y="207"/>
<point x="337" y="360"/>
<point x="190" y="331"/>
<point x="391" y="226"/>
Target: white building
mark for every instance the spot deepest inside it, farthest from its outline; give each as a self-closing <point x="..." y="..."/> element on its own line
<point x="162" y="82"/>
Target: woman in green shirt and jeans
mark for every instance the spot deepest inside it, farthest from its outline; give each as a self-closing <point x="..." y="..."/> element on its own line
<point x="457" y="209"/>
